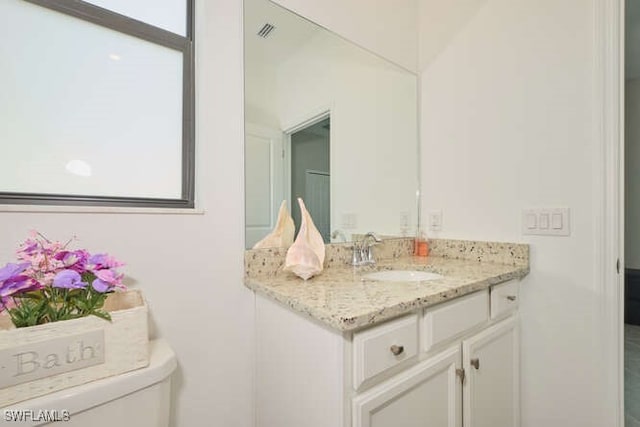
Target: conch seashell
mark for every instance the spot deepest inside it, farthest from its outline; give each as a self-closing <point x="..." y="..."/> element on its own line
<point x="305" y="257"/>
<point x="282" y="234"/>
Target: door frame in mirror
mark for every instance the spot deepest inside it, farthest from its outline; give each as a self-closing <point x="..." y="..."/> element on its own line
<point x="304" y="121"/>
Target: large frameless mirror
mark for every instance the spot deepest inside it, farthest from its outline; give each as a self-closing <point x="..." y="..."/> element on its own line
<point x="327" y="121"/>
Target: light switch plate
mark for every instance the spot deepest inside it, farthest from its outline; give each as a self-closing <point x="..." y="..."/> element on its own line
<point x="435" y="219"/>
<point x="349" y="221"/>
<point x="543" y="223"/>
<point x="405" y="219"/>
<point x="546" y="221"/>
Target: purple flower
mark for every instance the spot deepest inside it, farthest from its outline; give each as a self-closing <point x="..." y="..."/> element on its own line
<point x="106" y="280"/>
<point x="97" y="259"/>
<point x="102" y="261"/>
<point x="11" y="270"/>
<point x="74" y="260"/>
<point x="69" y="279"/>
<point x="101" y="286"/>
<point x="12" y="282"/>
<point x="17" y="285"/>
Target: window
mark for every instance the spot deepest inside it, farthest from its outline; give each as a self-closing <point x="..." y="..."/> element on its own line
<point x="97" y="108"/>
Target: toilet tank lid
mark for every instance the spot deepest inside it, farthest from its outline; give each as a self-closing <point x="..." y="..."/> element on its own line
<point x="76" y="399"/>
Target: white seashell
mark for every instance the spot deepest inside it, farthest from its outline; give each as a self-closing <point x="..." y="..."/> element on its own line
<point x="305" y="257"/>
<point x="282" y="234"/>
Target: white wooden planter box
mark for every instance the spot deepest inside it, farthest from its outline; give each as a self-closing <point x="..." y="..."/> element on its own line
<point x="42" y="359"/>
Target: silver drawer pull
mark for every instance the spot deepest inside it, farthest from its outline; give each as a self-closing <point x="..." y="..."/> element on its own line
<point x="397" y="350"/>
<point x="475" y="363"/>
<point x="511" y="298"/>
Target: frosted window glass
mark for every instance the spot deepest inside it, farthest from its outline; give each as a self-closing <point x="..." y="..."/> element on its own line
<point x="85" y="110"/>
<point x="170" y="15"/>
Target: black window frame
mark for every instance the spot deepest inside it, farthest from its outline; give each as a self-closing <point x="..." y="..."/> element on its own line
<point x="130" y="26"/>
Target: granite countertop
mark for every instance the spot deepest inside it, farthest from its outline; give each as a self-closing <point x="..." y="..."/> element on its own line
<point x="341" y="299"/>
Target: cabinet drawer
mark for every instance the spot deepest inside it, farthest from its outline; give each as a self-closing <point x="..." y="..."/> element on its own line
<point x="504" y="298"/>
<point x="448" y="320"/>
<point x="382" y="347"/>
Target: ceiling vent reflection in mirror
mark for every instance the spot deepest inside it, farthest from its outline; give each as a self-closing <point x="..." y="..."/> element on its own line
<point x="266" y="30"/>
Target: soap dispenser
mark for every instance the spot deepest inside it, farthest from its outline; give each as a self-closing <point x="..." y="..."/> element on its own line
<point x="420" y="244"/>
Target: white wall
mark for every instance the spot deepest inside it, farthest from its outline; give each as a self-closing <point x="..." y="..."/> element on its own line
<point x="260" y="92"/>
<point x="189" y="267"/>
<point x="632" y="174"/>
<point x="386" y="27"/>
<point x="507" y="123"/>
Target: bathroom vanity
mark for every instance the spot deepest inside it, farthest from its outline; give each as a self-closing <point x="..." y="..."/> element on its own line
<point x="341" y="351"/>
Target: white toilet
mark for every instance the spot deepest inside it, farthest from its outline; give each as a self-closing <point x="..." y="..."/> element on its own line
<point x="139" y="398"/>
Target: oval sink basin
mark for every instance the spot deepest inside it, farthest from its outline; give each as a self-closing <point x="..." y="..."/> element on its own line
<point x="402" y="276"/>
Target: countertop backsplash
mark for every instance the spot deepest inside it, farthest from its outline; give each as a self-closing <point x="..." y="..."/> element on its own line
<point x="266" y="262"/>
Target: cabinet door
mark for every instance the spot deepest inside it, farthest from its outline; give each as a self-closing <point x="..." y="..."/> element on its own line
<point x="491" y="362"/>
<point x="427" y="395"/>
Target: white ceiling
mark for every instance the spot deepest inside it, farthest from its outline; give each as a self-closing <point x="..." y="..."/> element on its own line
<point x="290" y="33"/>
<point x="632" y="43"/>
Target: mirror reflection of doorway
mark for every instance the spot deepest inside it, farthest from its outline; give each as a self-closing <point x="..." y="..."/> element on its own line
<point x="310" y="175"/>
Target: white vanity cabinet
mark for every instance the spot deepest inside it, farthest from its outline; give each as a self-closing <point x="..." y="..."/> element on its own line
<point x="491" y="388"/>
<point x="428" y="392"/>
<point x="454" y="364"/>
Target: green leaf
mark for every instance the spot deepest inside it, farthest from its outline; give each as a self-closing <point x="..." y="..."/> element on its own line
<point x="102" y="314"/>
<point x="81" y="304"/>
<point x="52" y="304"/>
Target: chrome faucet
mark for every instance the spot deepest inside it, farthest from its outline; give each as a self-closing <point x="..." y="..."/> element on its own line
<point x="362" y="252"/>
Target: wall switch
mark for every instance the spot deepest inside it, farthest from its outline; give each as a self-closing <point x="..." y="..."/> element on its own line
<point x="531" y="221"/>
<point x="546" y="221"/>
<point x="349" y="221"/>
<point x="434" y="219"/>
<point x="405" y="220"/>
